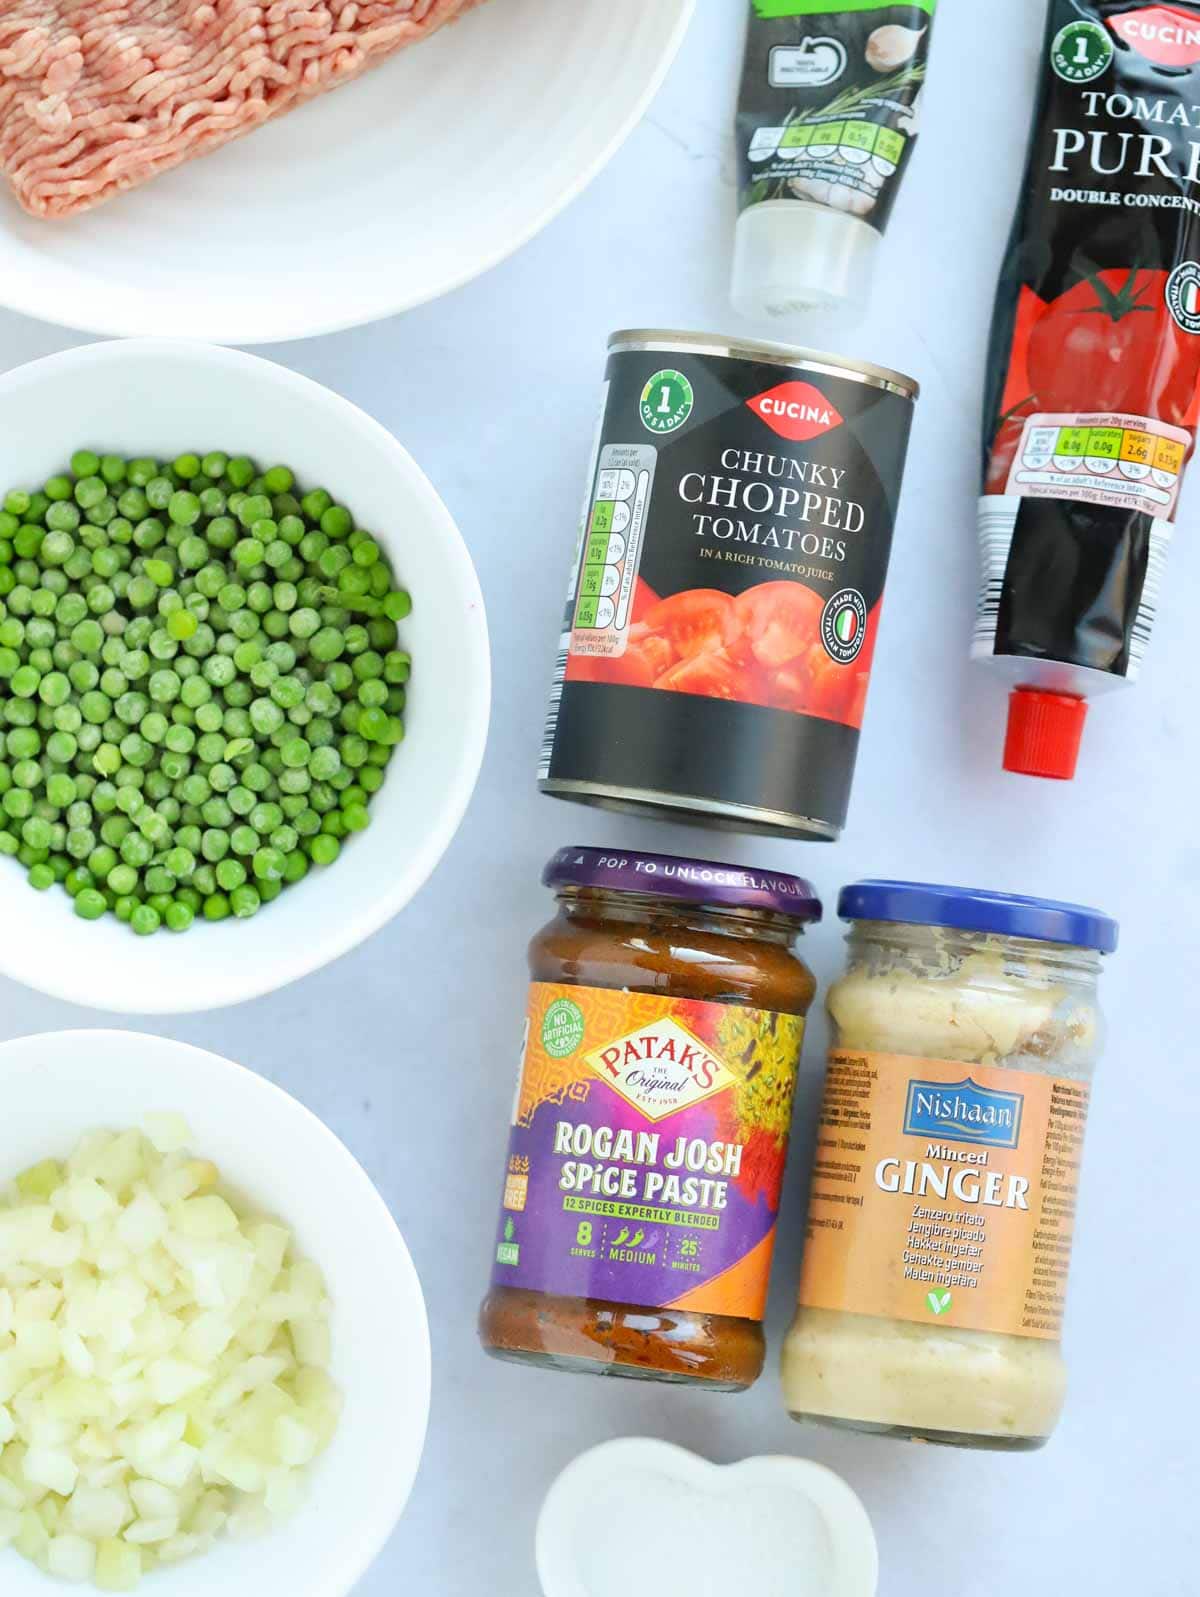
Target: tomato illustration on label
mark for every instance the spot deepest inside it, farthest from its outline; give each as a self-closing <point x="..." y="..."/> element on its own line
<point x="779" y="620"/>
<point x="763" y="647"/>
<point x="699" y="622"/>
<point x="1111" y="343"/>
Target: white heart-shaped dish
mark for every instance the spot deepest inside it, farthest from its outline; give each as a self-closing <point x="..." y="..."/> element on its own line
<point x="642" y="1515"/>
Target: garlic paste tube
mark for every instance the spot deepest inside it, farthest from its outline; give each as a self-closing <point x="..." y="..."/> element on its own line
<point x="827" y="118"/>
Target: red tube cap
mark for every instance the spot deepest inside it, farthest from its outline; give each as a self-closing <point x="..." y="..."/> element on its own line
<point x="1044" y="733"/>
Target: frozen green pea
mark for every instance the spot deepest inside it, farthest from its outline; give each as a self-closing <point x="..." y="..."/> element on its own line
<point x="181" y="625"/>
<point x="61" y="790"/>
<point x="373" y="725"/>
<point x="195" y="692"/>
<point x="245" y="901"/>
<point x="136" y="850"/>
<point x="214" y="844"/>
<point x="323" y="849"/>
<point x="90" y="903"/>
<point x="244" y="840"/>
<point x="230" y="873"/>
<point x="184" y="508"/>
<point x="357" y="817"/>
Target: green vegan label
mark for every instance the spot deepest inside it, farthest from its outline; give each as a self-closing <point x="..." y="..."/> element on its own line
<point x="562" y="1028"/>
<point x="1081" y="51"/>
<point x="666" y="402"/>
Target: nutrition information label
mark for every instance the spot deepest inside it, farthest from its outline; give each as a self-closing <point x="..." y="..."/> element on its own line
<point x="612" y="548"/>
<point x="1129" y="461"/>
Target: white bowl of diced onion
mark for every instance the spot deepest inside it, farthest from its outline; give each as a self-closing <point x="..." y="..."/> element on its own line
<point x="322" y="1412"/>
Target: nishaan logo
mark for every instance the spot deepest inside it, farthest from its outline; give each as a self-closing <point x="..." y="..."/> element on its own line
<point x="963" y="1111"/>
<point x="1165" y="34"/>
<point x="660" y="1069"/>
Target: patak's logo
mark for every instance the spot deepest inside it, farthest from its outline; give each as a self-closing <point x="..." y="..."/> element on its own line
<point x="795" y="410"/>
<point x="1166" y="35"/>
<point x="661" y="1069"/>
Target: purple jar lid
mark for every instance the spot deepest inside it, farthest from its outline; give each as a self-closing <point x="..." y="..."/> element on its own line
<point x="690" y="881"/>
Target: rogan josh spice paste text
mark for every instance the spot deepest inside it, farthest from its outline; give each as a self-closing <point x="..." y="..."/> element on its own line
<point x="650" y="1128"/>
<point x="942" y="1208"/>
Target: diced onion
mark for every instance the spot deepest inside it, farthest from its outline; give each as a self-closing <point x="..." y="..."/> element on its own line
<point x="163" y="1360"/>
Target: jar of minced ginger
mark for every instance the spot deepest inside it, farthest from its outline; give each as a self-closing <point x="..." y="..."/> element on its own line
<point x="650" y="1125"/>
<point x="966" y="1029"/>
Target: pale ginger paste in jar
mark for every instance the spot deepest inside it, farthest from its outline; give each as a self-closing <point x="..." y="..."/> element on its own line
<point x="966" y="1029"/>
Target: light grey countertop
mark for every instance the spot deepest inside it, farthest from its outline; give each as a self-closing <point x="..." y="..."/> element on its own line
<point x="406" y="1047"/>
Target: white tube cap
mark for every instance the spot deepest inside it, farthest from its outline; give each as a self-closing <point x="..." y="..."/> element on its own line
<point x="791" y="256"/>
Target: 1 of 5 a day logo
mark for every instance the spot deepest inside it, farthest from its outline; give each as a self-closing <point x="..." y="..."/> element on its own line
<point x="666" y="402"/>
<point x="1081" y="52"/>
<point x="963" y="1111"/>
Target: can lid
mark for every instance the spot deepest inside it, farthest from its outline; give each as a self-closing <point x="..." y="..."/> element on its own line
<point x="678" y="341"/>
<point x="689" y="881"/>
<point x="791" y="256"/>
<point x="1044" y="733"/>
<point x="967" y="909"/>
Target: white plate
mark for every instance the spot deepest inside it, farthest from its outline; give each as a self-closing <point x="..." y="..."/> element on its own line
<point x="271" y="1149"/>
<point x="638" y="1515"/>
<point x="374" y="198"/>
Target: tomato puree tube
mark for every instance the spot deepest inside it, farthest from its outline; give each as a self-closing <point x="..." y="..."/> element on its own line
<point x="1092" y="386"/>
<point x="827" y="119"/>
<point x="724" y="607"/>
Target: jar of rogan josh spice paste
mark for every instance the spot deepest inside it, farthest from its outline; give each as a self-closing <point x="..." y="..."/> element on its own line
<point x="725" y="605"/>
<point x="966" y="1029"/>
<point x="650" y="1126"/>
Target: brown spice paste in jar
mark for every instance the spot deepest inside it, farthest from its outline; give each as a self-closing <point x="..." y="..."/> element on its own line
<point x="650" y="1126"/>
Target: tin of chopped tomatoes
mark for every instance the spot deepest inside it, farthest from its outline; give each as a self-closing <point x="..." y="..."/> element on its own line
<point x="719" y="635"/>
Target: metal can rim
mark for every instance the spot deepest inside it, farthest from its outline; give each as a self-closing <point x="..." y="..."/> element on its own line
<point x="670" y="341"/>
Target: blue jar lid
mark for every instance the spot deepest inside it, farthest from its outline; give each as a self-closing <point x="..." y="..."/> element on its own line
<point x="968" y="909"/>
